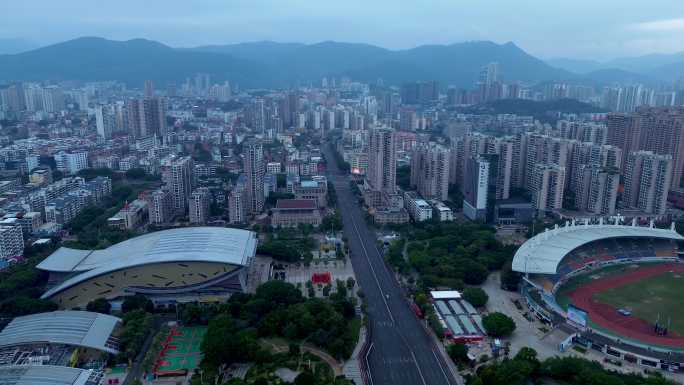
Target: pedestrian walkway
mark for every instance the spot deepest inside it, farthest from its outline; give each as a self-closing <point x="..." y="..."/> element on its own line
<point x="351" y="368"/>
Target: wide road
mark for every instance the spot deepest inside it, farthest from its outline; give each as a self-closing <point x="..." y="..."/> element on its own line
<point x="402" y="352"/>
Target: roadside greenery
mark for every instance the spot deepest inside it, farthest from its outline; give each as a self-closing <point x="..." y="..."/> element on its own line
<point x="475" y="296"/>
<point x="525" y="368"/>
<point x="278" y="309"/>
<point x="137" y="325"/>
<point x="449" y="254"/>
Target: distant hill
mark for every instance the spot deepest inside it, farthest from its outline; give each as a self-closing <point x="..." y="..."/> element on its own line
<point x="457" y="64"/>
<point x="12" y="46"/>
<point x="270" y="64"/>
<point x="614" y="75"/>
<point x="132" y="61"/>
<point x="578" y="66"/>
<point x="653" y="67"/>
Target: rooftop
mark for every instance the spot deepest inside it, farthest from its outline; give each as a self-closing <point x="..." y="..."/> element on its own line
<point x="188" y="244"/>
<point x="77" y="328"/>
<point x="43" y="375"/>
<point x="543" y="253"/>
<point x="296" y="204"/>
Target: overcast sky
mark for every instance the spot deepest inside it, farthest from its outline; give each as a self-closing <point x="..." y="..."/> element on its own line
<point x="597" y="29"/>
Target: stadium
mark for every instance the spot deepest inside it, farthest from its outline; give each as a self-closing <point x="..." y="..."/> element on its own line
<point x="194" y="264"/>
<point x="60" y="347"/>
<point x="615" y="288"/>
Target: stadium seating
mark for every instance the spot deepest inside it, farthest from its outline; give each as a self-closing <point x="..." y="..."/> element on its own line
<point x="607" y="250"/>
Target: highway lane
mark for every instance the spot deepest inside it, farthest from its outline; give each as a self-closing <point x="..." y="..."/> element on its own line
<point x="402" y="351"/>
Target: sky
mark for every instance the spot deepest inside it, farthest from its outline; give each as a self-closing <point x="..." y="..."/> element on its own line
<point x="582" y="29"/>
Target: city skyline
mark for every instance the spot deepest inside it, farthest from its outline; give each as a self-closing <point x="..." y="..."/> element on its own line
<point x="645" y="29"/>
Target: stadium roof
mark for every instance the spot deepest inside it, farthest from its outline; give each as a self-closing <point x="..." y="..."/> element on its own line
<point x="543" y="253"/>
<point x="77" y="328"/>
<point x="43" y="375"/>
<point x="188" y="244"/>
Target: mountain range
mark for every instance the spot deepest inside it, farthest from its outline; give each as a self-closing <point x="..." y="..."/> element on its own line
<point x="652" y="66"/>
<point x="270" y="64"/>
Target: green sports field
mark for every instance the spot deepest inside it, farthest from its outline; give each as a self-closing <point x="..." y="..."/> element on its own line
<point x="662" y="294"/>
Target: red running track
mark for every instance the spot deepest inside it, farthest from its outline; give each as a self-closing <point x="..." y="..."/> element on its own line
<point x="607" y="316"/>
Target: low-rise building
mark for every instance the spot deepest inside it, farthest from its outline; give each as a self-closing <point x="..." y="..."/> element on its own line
<point x="11" y="242"/>
<point x="442" y="211"/>
<point x="293" y="212"/>
<point x="419" y="209"/>
<point x="316" y="189"/>
<point x="131" y="216"/>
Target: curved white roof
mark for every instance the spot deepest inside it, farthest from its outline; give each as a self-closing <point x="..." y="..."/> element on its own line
<point x="188" y="244"/>
<point x="43" y="375"/>
<point x="543" y="253"/>
<point x="77" y="328"/>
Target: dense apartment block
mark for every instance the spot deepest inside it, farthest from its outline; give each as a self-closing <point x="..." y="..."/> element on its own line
<point x="198" y="205"/>
<point x="382" y="160"/>
<point x="430" y="171"/>
<point x="547" y="187"/>
<point x="647" y="180"/>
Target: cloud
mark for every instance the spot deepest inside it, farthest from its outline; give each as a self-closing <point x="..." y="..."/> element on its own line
<point x="665" y="25"/>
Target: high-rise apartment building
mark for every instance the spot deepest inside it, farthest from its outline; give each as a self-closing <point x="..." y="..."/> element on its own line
<point x="382" y="160"/>
<point x="160" y="206"/>
<point x="255" y="170"/>
<point x="178" y="178"/>
<point x="647" y="180"/>
<point x="430" y="171"/>
<point x="597" y="189"/>
<point x="505" y="150"/>
<point x="547" y="186"/>
<point x="198" y="204"/>
<point x="105" y="121"/>
<point x="475" y="188"/>
<point x="660" y="130"/>
<point x="147" y="117"/>
<point x="237" y="202"/>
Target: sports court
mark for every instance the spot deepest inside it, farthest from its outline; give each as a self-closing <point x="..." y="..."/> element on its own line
<point x="181" y="352"/>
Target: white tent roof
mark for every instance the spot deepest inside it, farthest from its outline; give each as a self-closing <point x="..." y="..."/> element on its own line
<point x="543" y="253"/>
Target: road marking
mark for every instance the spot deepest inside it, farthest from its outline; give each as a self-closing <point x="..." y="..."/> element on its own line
<point x="377" y="282"/>
<point x="440" y="366"/>
<point x="418" y="366"/>
<point x="370" y="376"/>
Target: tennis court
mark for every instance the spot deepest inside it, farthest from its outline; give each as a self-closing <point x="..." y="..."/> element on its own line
<point x="181" y="353"/>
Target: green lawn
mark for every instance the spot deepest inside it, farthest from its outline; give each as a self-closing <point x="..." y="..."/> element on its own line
<point x="647" y="298"/>
<point x="573" y="283"/>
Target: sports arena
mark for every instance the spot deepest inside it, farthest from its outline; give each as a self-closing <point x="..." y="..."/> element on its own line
<point x="616" y="288"/>
<point x="192" y="264"/>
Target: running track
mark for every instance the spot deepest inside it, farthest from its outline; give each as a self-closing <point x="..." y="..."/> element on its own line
<point x="607" y="316"/>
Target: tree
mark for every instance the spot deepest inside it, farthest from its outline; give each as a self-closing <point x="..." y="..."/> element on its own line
<point x="510" y="279"/>
<point x="99" y="305"/>
<point x="136" y="173"/>
<point x="498" y="324"/>
<point x="350" y="283"/>
<point x="224" y="343"/>
<point x="476" y="296"/>
<point x="279" y="292"/>
<point x="458" y="352"/>
<point x="404" y="177"/>
<point x="137" y="302"/>
<point x="305" y="378"/>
